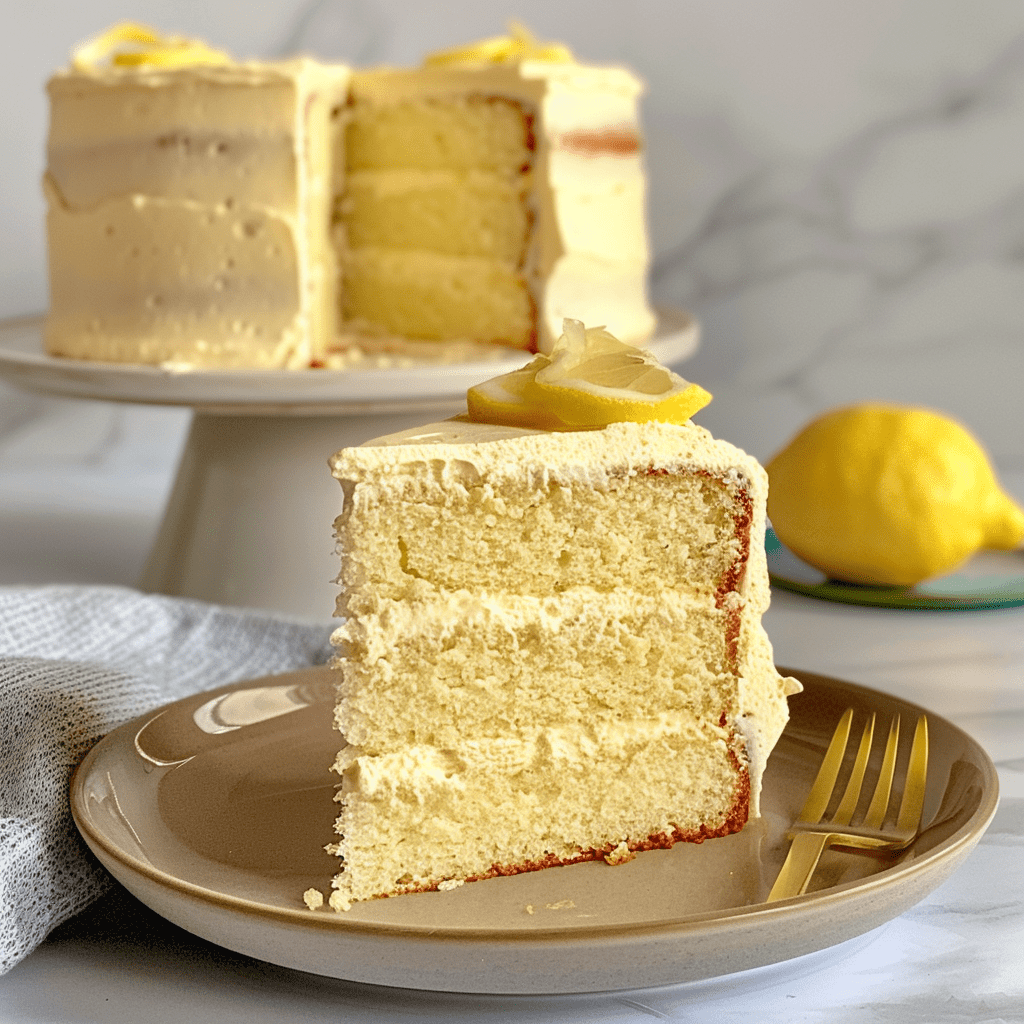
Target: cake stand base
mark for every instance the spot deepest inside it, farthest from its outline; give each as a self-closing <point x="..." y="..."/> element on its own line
<point x="248" y="522"/>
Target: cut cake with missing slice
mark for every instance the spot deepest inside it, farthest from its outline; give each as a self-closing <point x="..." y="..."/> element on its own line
<point x="288" y="214"/>
<point x="552" y="650"/>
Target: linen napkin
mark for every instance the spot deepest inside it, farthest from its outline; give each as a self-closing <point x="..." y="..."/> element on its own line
<point x="74" y="663"/>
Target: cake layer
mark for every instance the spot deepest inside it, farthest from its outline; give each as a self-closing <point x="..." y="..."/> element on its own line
<point x="491" y="666"/>
<point x="621" y="520"/>
<point x="608" y="538"/>
<point x="456" y="132"/>
<point x="419" y="294"/>
<point x="471" y="213"/>
<point x="421" y="816"/>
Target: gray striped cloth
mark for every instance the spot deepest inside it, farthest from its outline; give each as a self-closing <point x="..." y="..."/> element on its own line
<point x="74" y="663"/>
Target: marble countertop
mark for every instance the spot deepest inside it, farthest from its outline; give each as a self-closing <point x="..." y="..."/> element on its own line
<point x="91" y="515"/>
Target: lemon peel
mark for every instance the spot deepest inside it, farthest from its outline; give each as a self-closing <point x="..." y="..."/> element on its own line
<point x="588" y="380"/>
<point x="128" y="44"/>
<point x="888" y="495"/>
<point x="519" y="44"/>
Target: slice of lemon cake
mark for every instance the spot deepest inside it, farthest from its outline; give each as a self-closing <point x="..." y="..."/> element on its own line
<point x="552" y="649"/>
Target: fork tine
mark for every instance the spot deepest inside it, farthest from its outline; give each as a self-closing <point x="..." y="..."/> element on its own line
<point x="844" y="812"/>
<point x="805" y="850"/>
<point x="917" y="775"/>
<point x="880" y="801"/>
<point x="821" y="792"/>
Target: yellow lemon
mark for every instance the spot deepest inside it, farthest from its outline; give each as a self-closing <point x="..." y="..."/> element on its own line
<point x="590" y="379"/>
<point x="889" y="495"/>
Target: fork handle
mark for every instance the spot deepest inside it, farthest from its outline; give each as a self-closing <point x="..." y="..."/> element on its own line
<point x="802" y="859"/>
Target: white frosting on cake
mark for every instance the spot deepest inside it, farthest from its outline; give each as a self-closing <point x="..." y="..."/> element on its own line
<point x="463" y="451"/>
<point x="188" y="213"/>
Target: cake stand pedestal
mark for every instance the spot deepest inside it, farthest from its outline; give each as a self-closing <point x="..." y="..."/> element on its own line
<point x="248" y="521"/>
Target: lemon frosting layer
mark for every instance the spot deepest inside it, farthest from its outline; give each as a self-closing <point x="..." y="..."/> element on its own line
<point x="188" y="213"/>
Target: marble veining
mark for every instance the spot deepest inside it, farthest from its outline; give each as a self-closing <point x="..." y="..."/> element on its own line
<point x="889" y="267"/>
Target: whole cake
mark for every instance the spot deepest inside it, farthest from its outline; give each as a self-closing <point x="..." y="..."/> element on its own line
<point x="552" y="649"/>
<point x="212" y="213"/>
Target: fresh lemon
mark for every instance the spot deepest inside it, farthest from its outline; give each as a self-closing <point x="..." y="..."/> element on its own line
<point x="589" y="379"/>
<point x="888" y="495"/>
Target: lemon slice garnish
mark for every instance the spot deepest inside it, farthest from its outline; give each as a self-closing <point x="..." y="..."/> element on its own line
<point x="590" y="379"/>
<point x="518" y="45"/>
<point x="513" y="400"/>
<point x="130" y="45"/>
<point x="594" y="379"/>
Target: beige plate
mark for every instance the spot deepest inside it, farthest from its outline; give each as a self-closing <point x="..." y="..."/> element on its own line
<point x="213" y="812"/>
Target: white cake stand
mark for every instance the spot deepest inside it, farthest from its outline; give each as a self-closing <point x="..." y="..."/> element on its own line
<point x="248" y="522"/>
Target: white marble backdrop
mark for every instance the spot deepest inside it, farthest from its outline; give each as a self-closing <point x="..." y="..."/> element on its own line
<point x="837" y="191"/>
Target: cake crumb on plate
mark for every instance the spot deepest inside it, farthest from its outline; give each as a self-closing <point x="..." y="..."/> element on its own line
<point x="620" y="855"/>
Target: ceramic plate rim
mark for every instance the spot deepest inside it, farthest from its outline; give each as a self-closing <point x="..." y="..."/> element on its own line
<point x="967" y="834"/>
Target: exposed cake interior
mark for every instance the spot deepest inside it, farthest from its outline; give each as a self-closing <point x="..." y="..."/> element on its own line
<point x="552" y="649"/>
<point x="436" y="219"/>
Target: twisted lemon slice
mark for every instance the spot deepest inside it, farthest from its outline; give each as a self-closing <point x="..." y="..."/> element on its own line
<point x="589" y="380"/>
<point x="130" y="45"/>
<point x="514" y="400"/>
<point x="519" y="44"/>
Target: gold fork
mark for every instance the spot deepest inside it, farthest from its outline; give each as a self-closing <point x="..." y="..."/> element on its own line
<point x="812" y="833"/>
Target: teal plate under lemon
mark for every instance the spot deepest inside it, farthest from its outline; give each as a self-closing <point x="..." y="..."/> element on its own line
<point x="991" y="579"/>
